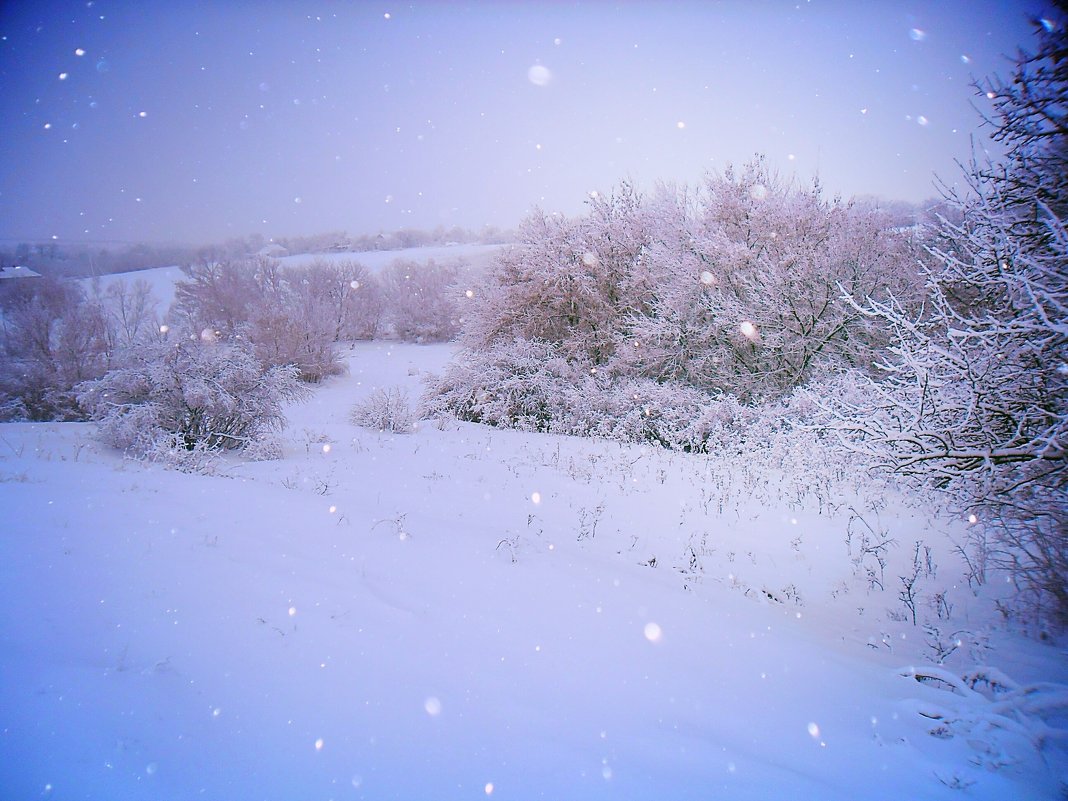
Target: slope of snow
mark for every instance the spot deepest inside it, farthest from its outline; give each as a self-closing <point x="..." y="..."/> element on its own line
<point x="466" y="613"/>
<point x="161" y="281"/>
<point x="377" y="260"/>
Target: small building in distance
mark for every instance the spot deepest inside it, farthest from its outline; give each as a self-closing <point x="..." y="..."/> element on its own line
<point x="272" y="250"/>
<point x="17" y="271"/>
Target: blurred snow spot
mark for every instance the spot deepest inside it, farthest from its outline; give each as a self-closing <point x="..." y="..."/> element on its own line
<point x="707" y="278"/>
<point x="489" y="788"/>
<point x="922" y="120"/>
<point x="813" y="730"/>
<point x="432" y="706"/>
<point x="535" y="498"/>
<point x="589" y="259"/>
<point x="758" y="191"/>
<point x="292" y="611"/>
<point x="917" y="35"/>
<point x="539" y="75"/>
<point x="653" y="632"/>
<point x="680" y="125"/>
<point x="749" y="331"/>
<point x="319" y="744"/>
<point x="326" y="448"/>
<point x="63" y="76"/>
<point x="964" y="59"/>
<point x="79" y="52"/>
<point x="151" y="768"/>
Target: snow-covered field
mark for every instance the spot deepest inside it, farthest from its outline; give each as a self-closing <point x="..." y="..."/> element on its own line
<point x="377" y="260"/>
<point x="462" y="613"/>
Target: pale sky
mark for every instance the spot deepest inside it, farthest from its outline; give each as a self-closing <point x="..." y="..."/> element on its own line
<point x="196" y="121"/>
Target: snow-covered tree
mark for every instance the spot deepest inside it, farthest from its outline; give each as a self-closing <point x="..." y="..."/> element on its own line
<point x="731" y="289"/>
<point x="51" y="338"/>
<point x="422" y="300"/>
<point x="975" y="393"/>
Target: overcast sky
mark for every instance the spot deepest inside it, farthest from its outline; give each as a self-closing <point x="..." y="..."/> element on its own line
<point x="193" y="122"/>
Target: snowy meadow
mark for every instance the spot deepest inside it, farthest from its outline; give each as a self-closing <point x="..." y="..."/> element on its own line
<point x="465" y="612"/>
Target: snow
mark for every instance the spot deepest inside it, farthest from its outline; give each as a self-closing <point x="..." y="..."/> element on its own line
<point x="18" y="271"/>
<point x="397" y="617"/>
<point x="161" y="281"/>
<point x="377" y="260"/>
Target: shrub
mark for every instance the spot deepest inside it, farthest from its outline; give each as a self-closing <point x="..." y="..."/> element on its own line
<point x="385" y="410"/>
<point x="191" y="394"/>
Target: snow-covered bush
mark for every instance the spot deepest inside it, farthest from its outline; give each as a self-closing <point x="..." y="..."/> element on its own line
<point x="529" y="386"/>
<point x="385" y="410"/>
<point x="975" y="394"/>
<point x="522" y="384"/>
<point x="190" y="394"/>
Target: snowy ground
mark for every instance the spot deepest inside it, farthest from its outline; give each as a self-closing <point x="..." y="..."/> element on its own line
<point x="463" y="613"/>
<point x="377" y="260"/>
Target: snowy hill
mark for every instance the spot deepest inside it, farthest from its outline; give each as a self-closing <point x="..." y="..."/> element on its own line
<point x="377" y="260"/>
<point x="464" y="612"/>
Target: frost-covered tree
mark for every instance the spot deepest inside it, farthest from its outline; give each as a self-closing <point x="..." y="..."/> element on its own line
<point x="975" y="393"/>
<point x="730" y="289"/>
<point x="569" y="282"/>
<point x="51" y="338"/>
<point x="748" y="273"/>
<point x="189" y="392"/>
<point x="422" y="300"/>
<point x="291" y="316"/>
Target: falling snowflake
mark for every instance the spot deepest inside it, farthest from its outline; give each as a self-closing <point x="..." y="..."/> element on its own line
<point x="539" y="75"/>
